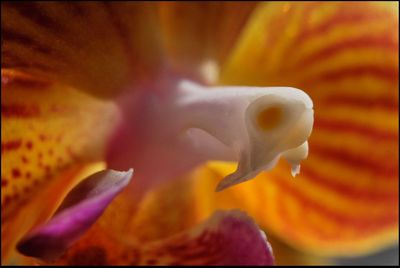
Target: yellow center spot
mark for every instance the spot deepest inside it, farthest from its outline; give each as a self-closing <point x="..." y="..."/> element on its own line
<point x="269" y="118"/>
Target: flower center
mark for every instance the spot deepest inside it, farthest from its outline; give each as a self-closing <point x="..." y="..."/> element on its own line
<point x="170" y="127"/>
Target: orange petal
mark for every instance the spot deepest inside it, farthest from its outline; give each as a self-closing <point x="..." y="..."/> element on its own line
<point x="46" y="129"/>
<point x="199" y="33"/>
<point x="98" y="47"/>
<point x="345" y="56"/>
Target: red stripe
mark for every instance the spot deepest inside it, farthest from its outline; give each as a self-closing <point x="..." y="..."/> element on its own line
<point x="10" y="145"/>
<point x="386" y="103"/>
<point x="345" y="15"/>
<point x="381" y="42"/>
<point x="352" y="127"/>
<point x="11" y="78"/>
<point x="384" y="72"/>
<point x="354" y="220"/>
<point x="350" y="189"/>
<point x="386" y="169"/>
<point x="18" y="110"/>
<point x="283" y="214"/>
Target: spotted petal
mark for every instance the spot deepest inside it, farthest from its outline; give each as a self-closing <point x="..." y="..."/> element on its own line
<point x="47" y="127"/>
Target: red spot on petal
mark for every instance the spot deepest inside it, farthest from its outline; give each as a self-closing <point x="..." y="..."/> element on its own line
<point x="7" y="199"/>
<point x="29" y="145"/>
<point x="40" y="155"/>
<point x="10" y="145"/>
<point x="59" y="138"/>
<point x="28" y="175"/>
<point x="24" y="159"/>
<point x="50" y="152"/>
<point x="42" y="137"/>
<point x="47" y="169"/>
<point x="4" y="182"/>
<point x="18" y="110"/>
<point x="16" y="173"/>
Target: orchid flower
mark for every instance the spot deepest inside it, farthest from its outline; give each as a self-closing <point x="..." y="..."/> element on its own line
<point x="212" y="105"/>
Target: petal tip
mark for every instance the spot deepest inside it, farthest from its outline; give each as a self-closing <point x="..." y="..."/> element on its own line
<point x="80" y="209"/>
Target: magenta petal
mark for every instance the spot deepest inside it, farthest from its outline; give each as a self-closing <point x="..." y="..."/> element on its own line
<point x="80" y="209"/>
<point x="245" y="244"/>
<point x="226" y="238"/>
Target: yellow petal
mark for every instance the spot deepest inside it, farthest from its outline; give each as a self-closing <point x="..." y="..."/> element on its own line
<point x="345" y="56"/>
<point x="97" y="47"/>
<point x="46" y="129"/>
<point x="162" y="212"/>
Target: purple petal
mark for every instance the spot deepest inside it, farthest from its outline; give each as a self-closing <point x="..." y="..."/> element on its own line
<point x="84" y="204"/>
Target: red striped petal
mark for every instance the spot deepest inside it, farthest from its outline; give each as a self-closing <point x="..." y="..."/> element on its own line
<point x="195" y="34"/>
<point x="97" y="47"/>
<point x="345" y="56"/>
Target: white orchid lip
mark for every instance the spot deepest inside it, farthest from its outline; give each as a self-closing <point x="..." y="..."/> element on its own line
<point x="251" y="125"/>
